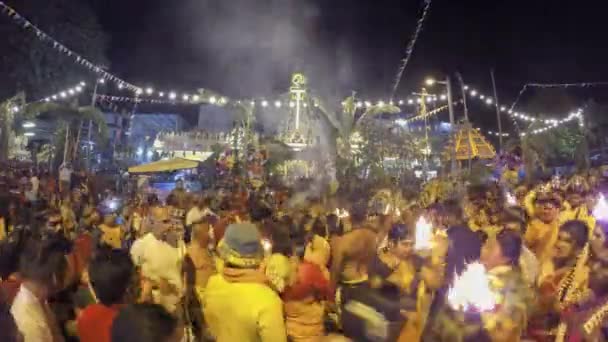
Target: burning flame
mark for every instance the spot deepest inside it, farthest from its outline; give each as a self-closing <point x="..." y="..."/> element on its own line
<point x="267" y="246"/>
<point x="424" y="234"/>
<point x="342" y="213"/>
<point x="471" y="290"/>
<point x="600" y="212"/>
<point x="511" y="200"/>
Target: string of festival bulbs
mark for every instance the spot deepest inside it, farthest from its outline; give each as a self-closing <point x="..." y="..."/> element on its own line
<point x="146" y="94"/>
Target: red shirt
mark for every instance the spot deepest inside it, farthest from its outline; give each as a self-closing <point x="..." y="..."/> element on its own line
<point x="95" y="323"/>
<point x="310" y="282"/>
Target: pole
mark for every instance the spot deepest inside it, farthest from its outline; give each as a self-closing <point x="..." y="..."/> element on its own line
<point x="66" y="142"/>
<point x="93" y="102"/>
<point x="448" y="85"/>
<point x="498" y="116"/>
<point x="467" y="126"/>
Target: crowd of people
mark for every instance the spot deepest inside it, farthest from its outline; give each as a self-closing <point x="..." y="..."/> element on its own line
<point x="232" y="264"/>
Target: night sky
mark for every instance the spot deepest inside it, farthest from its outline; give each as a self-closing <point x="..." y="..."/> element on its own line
<point x="250" y="47"/>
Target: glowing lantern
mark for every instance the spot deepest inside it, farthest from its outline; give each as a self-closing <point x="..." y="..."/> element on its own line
<point x="471" y="290"/>
<point x="424" y="234"/>
<point x="600" y="212"/>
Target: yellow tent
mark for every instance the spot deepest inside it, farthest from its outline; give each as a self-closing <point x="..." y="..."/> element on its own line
<point x="164" y="166"/>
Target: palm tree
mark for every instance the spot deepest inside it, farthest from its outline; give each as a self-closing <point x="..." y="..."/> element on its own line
<point x="347" y="122"/>
<point x="13" y="112"/>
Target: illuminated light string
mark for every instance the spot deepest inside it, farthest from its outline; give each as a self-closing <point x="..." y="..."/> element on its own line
<point x="61" y="95"/>
<point x="64" y="94"/>
<point x="550" y="122"/>
<point x="410" y="46"/>
<point x="44" y="37"/>
<point x="403" y="122"/>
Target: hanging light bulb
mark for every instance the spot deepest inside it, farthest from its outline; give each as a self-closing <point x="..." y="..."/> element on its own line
<point x="277" y="104"/>
<point x="139" y="91"/>
<point x="443" y="97"/>
<point x="71" y="91"/>
<point x="101" y="81"/>
<point x="359" y="104"/>
<point x="149" y="91"/>
<point x="185" y="97"/>
<point x="195" y="98"/>
<point x="82" y="83"/>
<point x="63" y="94"/>
<point x="120" y="86"/>
<point x="172" y="95"/>
<point x="161" y="94"/>
<point x="380" y="103"/>
<point x="410" y="101"/>
<point x="212" y="100"/>
<point x="264" y="103"/>
<point x="489" y="101"/>
<point x="400" y="102"/>
<point x="473" y="92"/>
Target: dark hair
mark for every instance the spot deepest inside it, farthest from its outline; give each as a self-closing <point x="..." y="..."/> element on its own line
<point x="143" y="322"/>
<point x="334" y="225"/>
<point x="319" y="228"/>
<point x="8" y="327"/>
<point x="44" y="261"/>
<point x="171" y="200"/>
<point x="398" y="232"/>
<point x="452" y="210"/>
<point x="111" y="272"/>
<point x="153" y="200"/>
<point x="515" y="215"/>
<point x="358" y="213"/>
<point x="510" y="244"/>
<point x="578" y="230"/>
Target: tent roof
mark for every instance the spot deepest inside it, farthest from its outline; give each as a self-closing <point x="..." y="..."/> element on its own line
<point x="164" y="166"/>
<point x="470" y="143"/>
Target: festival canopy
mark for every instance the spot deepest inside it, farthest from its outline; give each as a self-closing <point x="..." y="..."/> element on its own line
<point x="164" y="166"/>
<point x="470" y="143"/>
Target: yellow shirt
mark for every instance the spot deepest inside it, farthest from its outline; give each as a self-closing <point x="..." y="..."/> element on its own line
<point x="541" y="237"/>
<point x="243" y="311"/>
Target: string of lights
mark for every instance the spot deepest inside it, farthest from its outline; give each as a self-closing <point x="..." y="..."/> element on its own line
<point x="64" y="94"/>
<point x="488" y="100"/>
<point x="44" y="37"/>
<point x="410" y="46"/>
<point x="568" y="85"/>
<point x="423" y="116"/>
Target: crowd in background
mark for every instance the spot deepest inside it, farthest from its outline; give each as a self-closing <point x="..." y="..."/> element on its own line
<point x="232" y="264"/>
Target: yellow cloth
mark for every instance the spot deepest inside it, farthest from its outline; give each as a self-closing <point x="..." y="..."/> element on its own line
<point x="304" y="320"/>
<point x="2" y="229"/>
<point x="540" y="238"/>
<point x="242" y="311"/>
<point x="111" y="236"/>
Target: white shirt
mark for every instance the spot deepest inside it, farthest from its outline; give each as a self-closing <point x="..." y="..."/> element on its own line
<point x="30" y="317"/>
<point x="65" y="174"/>
<point x="158" y="260"/>
<point x="195" y="214"/>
